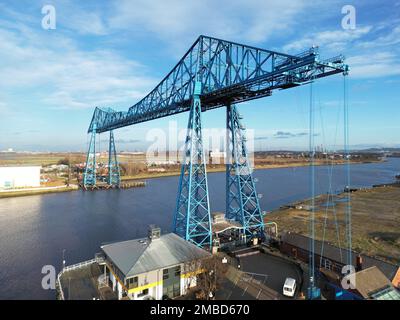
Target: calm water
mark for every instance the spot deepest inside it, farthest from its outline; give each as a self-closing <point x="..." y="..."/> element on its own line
<point x="34" y="230"/>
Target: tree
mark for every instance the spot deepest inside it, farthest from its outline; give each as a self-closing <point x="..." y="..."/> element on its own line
<point x="211" y="278"/>
<point x="64" y="161"/>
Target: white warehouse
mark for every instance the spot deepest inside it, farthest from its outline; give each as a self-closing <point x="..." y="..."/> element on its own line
<point x="19" y="177"/>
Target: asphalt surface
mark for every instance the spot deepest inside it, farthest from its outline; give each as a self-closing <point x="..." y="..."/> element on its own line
<point x="271" y="270"/>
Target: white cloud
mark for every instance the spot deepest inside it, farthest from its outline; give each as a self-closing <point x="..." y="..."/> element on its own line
<point x="86" y="23"/>
<point x="252" y="20"/>
<point x="330" y="39"/>
<point x="61" y="75"/>
<point x="389" y="39"/>
<point x="374" y="65"/>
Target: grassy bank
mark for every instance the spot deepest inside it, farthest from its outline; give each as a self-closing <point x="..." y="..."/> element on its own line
<point x="375" y="221"/>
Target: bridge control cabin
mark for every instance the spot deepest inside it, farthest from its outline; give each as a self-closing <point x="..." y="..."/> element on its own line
<point x="156" y="267"/>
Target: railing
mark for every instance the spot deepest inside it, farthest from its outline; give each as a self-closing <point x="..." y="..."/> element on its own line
<point x="59" y="286"/>
<point x="78" y="265"/>
<point x="69" y="268"/>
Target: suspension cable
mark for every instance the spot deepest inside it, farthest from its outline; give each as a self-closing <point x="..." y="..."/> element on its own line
<point x="312" y="187"/>
<point x="347" y="155"/>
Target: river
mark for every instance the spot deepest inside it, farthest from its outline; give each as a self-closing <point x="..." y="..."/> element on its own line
<point x="34" y="230"/>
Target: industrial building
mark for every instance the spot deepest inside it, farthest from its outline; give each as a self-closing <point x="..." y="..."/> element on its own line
<point x="19" y="177"/>
<point x="155" y="267"/>
<point x="376" y="279"/>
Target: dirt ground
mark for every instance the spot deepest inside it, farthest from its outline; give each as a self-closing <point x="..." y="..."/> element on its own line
<point x="375" y="221"/>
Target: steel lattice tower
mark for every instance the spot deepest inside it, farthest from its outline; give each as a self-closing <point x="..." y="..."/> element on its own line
<point x="241" y="197"/>
<point x="212" y="74"/>
<point x="89" y="176"/>
<point x="192" y="220"/>
<point x="113" y="165"/>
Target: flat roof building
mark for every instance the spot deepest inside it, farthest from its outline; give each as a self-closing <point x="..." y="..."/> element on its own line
<point x="19" y="177"/>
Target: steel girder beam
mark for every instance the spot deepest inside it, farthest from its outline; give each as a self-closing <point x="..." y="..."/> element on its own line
<point x="192" y="219"/>
<point x="89" y="176"/>
<point x="113" y="165"/>
<point x="229" y="72"/>
<point x="242" y="202"/>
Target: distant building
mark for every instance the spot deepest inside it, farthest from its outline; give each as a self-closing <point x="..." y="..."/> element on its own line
<point x="216" y="156"/>
<point x="19" y="177"/>
<point x="155" y="267"/>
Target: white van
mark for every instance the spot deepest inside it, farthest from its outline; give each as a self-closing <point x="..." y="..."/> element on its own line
<point x="289" y="288"/>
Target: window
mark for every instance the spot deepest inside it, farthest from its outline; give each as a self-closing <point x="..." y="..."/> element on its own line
<point x="165" y="274"/>
<point x="328" y="264"/>
<point x="143" y="293"/>
<point x="132" y="282"/>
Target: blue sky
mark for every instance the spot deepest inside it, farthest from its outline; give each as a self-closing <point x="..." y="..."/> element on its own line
<point x="113" y="53"/>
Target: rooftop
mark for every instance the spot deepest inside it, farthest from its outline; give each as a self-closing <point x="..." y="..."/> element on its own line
<point x="372" y="283"/>
<point x="338" y="254"/>
<point x="134" y="257"/>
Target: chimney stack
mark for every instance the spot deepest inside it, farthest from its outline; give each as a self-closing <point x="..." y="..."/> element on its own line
<point x="154" y="232"/>
<point x="359" y="263"/>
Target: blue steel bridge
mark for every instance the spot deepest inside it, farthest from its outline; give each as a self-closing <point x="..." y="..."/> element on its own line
<point x="213" y="73"/>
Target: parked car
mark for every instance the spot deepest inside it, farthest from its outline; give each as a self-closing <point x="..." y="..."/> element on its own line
<point x="289" y="288"/>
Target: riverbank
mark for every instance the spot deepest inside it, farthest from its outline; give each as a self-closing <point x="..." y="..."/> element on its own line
<point x="36" y="191"/>
<point x="153" y="175"/>
<point x="375" y="220"/>
<point x="222" y="168"/>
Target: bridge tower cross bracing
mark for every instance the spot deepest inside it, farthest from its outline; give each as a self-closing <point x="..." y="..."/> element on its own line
<point x="242" y="202"/>
<point x="192" y="219"/>
<point x="89" y="175"/>
<point x="113" y="178"/>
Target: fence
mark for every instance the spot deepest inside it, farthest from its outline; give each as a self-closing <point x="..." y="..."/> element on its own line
<point x="70" y="268"/>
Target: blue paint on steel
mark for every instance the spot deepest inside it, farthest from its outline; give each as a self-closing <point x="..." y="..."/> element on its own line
<point x="213" y="73"/>
<point x="314" y="293"/>
<point x="229" y="72"/>
<point x="89" y="176"/>
<point x="341" y="294"/>
<point x="192" y="219"/>
<point x="113" y="165"/>
<point x="242" y="202"/>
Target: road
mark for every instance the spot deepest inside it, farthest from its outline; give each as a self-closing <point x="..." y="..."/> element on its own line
<point x="261" y="277"/>
<point x="272" y="270"/>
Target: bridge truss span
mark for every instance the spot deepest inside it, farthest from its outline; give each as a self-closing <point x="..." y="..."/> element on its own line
<point x="213" y="73"/>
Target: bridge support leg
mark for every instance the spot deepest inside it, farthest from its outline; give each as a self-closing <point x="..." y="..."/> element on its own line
<point x="113" y="165"/>
<point x="89" y="176"/>
<point x="241" y="197"/>
<point x="192" y="220"/>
